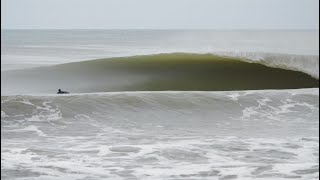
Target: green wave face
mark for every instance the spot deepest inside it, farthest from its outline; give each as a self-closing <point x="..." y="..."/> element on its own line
<point x="177" y="71"/>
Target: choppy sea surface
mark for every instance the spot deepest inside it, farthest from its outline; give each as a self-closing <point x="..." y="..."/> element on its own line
<point x="159" y="104"/>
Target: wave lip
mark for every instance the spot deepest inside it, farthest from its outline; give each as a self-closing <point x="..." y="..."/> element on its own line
<point x="308" y="64"/>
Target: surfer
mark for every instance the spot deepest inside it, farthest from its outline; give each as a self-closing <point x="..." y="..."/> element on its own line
<point x="62" y="92"/>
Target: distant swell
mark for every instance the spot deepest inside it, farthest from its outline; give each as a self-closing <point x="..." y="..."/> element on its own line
<point x="164" y="72"/>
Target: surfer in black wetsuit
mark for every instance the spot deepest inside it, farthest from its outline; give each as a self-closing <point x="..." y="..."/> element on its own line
<point x="62" y="92"/>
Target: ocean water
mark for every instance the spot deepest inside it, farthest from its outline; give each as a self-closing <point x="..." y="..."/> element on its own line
<point x="159" y="104"/>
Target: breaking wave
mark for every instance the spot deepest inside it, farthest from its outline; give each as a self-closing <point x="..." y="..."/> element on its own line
<point x="165" y="72"/>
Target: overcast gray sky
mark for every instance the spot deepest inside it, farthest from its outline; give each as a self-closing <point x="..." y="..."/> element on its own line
<point x="160" y="14"/>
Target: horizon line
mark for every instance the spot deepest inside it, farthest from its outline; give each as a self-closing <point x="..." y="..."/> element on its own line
<point x="224" y="29"/>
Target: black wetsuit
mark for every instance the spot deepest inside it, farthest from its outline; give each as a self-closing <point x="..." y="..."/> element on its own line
<point x="62" y="92"/>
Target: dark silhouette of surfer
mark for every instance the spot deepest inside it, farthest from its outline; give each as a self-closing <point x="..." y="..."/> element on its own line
<point x="62" y="92"/>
